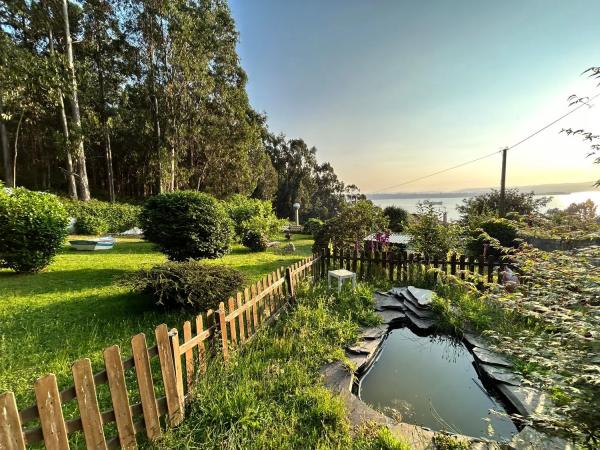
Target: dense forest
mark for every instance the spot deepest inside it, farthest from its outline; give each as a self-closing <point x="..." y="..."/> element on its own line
<point x="123" y="99"/>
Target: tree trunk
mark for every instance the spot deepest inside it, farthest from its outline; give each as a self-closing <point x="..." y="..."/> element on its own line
<point x="8" y="173"/>
<point x="84" y="187"/>
<point x="172" y="168"/>
<point x="16" y="150"/>
<point x="71" y="184"/>
<point x="104" y="119"/>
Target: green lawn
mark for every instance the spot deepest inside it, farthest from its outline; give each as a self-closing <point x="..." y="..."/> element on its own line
<point x="78" y="306"/>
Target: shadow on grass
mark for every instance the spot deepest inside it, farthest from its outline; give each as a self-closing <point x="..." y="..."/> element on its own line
<point x="58" y="281"/>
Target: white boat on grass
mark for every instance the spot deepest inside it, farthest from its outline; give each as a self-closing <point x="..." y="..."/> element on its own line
<point x="103" y="243"/>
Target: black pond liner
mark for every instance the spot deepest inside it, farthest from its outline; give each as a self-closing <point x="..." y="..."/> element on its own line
<point x="504" y="428"/>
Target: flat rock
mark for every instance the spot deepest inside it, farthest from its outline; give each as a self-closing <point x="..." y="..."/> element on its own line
<point x="389" y="316"/>
<point x="486" y="356"/>
<point x="359" y="412"/>
<point x="423" y="296"/>
<point x="500" y="374"/>
<point x="358" y="359"/>
<point x="474" y="341"/>
<point x="419" y="312"/>
<point x="531" y="439"/>
<point x="337" y="377"/>
<point x="385" y="294"/>
<point x="364" y="347"/>
<point x="416" y="437"/>
<point x="397" y="291"/>
<point x="374" y="332"/>
<point x="421" y="324"/>
<point x="527" y="401"/>
<point x="387" y="302"/>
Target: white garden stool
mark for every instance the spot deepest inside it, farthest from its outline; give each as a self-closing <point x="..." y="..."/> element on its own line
<point x="341" y="275"/>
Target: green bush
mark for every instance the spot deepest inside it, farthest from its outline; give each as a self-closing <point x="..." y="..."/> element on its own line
<point x="188" y="284"/>
<point x="397" y="216"/>
<point x="253" y="219"/>
<point x="429" y="235"/>
<point x="91" y="225"/>
<point x="187" y="224"/>
<point x="498" y="233"/>
<point x="98" y="217"/>
<point x="33" y="227"/>
<point x="312" y="226"/>
<point x="255" y="241"/>
<point x="354" y="223"/>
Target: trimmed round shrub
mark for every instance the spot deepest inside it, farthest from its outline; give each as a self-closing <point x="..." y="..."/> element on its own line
<point x="187" y="224"/>
<point x="397" y="216"/>
<point x="312" y="226"/>
<point x="255" y="241"/>
<point x="188" y="284"/>
<point x="33" y="227"/>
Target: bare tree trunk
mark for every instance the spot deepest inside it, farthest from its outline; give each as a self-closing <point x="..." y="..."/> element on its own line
<point x="103" y="117"/>
<point x="84" y="187"/>
<point x="8" y="173"/>
<point x="16" y="151"/>
<point x="71" y="184"/>
<point x="172" y="168"/>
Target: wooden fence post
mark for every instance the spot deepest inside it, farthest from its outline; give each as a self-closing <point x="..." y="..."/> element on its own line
<point x="167" y="367"/>
<point x="50" y="412"/>
<point x="85" y="389"/>
<point x="490" y="268"/>
<point x="223" y="329"/>
<point x="11" y="435"/>
<point x="290" y="284"/>
<point x="143" y="373"/>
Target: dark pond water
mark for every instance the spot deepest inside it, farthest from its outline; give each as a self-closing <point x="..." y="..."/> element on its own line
<point x="431" y="381"/>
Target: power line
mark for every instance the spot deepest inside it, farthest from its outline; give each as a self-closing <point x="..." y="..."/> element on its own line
<point x="496" y="152"/>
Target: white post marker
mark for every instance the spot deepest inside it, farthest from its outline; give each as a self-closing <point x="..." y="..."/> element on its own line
<point x="341" y="275"/>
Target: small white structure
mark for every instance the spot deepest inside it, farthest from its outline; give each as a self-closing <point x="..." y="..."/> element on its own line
<point x="297" y="208"/>
<point x="103" y="243"/>
<point x="341" y="275"/>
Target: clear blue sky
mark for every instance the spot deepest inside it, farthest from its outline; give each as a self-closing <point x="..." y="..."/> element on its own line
<point x="391" y="90"/>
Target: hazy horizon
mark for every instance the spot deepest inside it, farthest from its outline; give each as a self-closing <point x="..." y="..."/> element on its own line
<point x="389" y="91"/>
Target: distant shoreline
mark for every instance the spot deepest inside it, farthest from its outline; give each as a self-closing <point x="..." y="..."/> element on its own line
<point x="445" y="194"/>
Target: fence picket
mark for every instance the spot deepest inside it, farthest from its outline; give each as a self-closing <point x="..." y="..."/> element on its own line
<point x="50" y="413"/>
<point x="143" y="374"/>
<point x="189" y="356"/>
<point x="248" y="313"/>
<point x="91" y="421"/>
<point x="232" y="327"/>
<point x="201" y="345"/>
<point x="167" y="367"/>
<point x="174" y="335"/>
<point x="239" y="302"/>
<point x="11" y="434"/>
<point x="254" y="308"/>
<point x="223" y="328"/>
<point x="120" y="400"/>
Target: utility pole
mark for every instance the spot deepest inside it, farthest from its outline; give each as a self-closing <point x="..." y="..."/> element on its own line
<point x="502" y="205"/>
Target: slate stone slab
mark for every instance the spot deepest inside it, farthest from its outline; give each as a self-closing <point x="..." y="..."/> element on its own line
<point x="410" y="299"/>
<point x="385" y="294"/>
<point x="421" y="324"/>
<point x="364" y="347"/>
<point x="526" y="400"/>
<point x="419" y="312"/>
<point x="374" y="332"/>
<point x="358" y="360"/>
<point x="397" y="291"/>
<point x="531" y="439"/>
<point x="488" y="357"/>
<point x="387" y="302"/>
<point x="389" y="316"/>
<point x="360" y="413"/>
<point x="337" y="377"/>
<point x="474" y="341"/>
<point x="424" y="297"/>
<point x="500" y="374"/>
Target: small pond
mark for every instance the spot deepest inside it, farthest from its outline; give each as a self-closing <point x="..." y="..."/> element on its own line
<point x="432" y="382"/>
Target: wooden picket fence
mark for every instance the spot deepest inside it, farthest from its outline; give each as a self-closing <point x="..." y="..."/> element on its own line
<point x="222" y="331"/>
<point x="403" y="268"/>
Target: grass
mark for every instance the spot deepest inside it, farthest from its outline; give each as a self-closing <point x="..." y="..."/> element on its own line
<point x="78" y="306"/>
<point x="271" y="396"/>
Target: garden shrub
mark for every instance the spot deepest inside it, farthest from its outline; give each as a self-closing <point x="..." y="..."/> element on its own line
<point x="498" y="233"/>
<point x="188" y="284"/>
<point x="397" y="216"/>
<point x="312" y="226"/>
<point x="354" y="223"/>
<point x="33" y="227"/>
<point x="98" y="217"/>
<point x="187" y="224"/>
<point x="429" y="235"/>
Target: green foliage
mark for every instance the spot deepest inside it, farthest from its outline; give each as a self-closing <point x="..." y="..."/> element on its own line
<point x="445" y="441"/>
<point x="188" y="284"/>
<point x="355" y="222"/>
<point x="429" y="235"/>
<point x="312" y="226"/>
<point x="271" y="395"/>
<point x="518" y="202"/>
<point x="500" y="234"/>
<point x="97" y="217"/>
<point x="32" y="229"/>
<point x="254" y="221"/>
<point x="187" y="224"/>
<point x="397" y="216"/>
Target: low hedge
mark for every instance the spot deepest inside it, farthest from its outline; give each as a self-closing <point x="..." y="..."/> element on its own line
<point x="97" y="217"/>
<point x="188" y="284"/>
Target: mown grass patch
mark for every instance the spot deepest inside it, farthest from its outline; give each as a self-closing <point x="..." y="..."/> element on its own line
<point x="78" y="306"/>
<point x="271" y="396"/>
